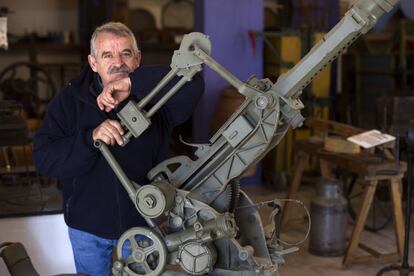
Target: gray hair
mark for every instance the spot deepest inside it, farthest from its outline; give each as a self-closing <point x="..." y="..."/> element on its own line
<point x="115" y="28"/>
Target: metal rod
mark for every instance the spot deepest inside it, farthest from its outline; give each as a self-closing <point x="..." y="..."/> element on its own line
<point x="218" y="68"/>
<point x="167" y="78"/>
<point x="125" y="181"/>
<point x="126" y="138"/>
<point x="167" y="96"/>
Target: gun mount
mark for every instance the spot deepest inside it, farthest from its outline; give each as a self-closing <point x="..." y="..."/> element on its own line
<point x="197" y="211"/>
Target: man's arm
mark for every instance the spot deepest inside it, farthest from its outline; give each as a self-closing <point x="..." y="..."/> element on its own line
<point x="178" y="108"/>
<point x="113" y="94"/>
<point x="140" y="82"/>
<point x="61" y="148"/>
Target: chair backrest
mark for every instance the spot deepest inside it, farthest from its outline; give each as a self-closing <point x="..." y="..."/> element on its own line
<point x="17" y="260"/>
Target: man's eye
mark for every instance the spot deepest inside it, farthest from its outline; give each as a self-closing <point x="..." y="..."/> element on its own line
<point x="126" y="55"/>
<point x="107" y="56"/>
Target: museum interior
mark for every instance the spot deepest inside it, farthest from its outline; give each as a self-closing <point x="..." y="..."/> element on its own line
<point x="296" y="159"/>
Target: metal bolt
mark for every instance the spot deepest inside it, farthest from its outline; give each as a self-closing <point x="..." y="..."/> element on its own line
<point x="134" y="119"/>
<point x="150" y="201"/>
<point x="177" y="221"/>
<point x="118" y="265"/>
<point x="197" y="226"/>
<point x="243" y="256"/>
<point x="179" y="199"/>
<point x="262" y="102"/>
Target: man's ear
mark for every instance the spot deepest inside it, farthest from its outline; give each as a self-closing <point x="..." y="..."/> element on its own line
<point x="138" y="58"/>
<point x="92" y="63"/>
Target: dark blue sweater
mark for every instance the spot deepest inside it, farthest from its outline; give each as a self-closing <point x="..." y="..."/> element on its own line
<point x="94" y="199"/>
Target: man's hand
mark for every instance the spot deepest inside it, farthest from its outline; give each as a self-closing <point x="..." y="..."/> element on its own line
<point x="109" y="132"/>
<point x="114" y="93"/>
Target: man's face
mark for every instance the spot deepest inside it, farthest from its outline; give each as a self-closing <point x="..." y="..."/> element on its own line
<point x="115" y="57"/>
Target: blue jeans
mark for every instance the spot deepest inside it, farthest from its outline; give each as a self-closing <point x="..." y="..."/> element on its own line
<point x="93" y="255"/>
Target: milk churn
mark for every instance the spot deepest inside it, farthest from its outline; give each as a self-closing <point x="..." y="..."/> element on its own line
<point x="329" y="219"/>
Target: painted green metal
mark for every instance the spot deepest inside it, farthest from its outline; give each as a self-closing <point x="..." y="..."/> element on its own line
<point x="202" y="216"/>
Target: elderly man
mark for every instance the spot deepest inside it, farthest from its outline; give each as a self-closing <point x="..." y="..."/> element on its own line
<point x="97" y="209"/>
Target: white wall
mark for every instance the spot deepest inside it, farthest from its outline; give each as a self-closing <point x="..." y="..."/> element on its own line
<point x="42" y="15"/>
<point x="45" y="239"/>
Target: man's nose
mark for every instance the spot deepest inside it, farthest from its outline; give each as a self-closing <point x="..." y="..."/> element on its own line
<point x="118" y="60"/>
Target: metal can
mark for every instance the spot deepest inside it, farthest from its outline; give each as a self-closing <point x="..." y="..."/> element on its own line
<point x="329" y="219"/>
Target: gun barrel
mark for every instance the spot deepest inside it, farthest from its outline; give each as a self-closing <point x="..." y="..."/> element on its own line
<point x="358" y="20"/>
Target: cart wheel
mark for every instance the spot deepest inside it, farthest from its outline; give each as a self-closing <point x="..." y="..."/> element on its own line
<point x="28" y="84"/>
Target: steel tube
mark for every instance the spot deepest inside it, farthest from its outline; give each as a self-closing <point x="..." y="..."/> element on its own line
<point x="167" y="96"/>
<point x="125" y="181"/>
<point x="167" y="78"/>
<point x="214" y="65"/>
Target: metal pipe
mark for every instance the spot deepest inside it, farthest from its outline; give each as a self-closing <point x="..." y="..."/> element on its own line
<point x="167" y="96"/>
<point x="167" y="78"/>
<point x="125" y="181"/>
<point x="218" y="68"/>
<point x="126" y="138"/>
<point x="357" y="21"/>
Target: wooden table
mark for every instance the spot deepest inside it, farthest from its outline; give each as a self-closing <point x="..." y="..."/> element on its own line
<point x="370" y="168"/>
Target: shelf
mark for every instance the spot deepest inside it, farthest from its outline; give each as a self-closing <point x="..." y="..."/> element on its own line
<point x="44" y="46"/>
<point x="158" y="46"/>
<point x="17" y="169"/>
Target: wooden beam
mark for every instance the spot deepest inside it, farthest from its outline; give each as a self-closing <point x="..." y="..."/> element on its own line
<point x="333" y="127"/>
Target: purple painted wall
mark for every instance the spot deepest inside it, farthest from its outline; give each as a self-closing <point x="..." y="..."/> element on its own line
<point x="228" y="24"/>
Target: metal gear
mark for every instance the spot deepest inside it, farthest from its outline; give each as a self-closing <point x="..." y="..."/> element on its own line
<point x="228" y="199"/>
<point x="145" y="250"/>
<point x="29" y="84"/>
<point x="235" y="194"/>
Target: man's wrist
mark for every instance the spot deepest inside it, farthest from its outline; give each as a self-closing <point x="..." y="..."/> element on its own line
<point x="89" y="138"/>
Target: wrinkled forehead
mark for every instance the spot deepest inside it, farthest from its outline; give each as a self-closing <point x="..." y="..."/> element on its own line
<point x="109" y="42"/>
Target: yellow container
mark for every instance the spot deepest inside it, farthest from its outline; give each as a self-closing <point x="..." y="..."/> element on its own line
<point x="321" y="84"/>
<point x="340" y="145"/>
<point x="288" y="49"/>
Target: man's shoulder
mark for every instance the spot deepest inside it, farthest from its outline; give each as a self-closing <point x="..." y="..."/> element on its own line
<point x="85" y="78"/>
<point x="154" y="68"/>
<point x="78" y="84"/>
<point x="148" y="76"/>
